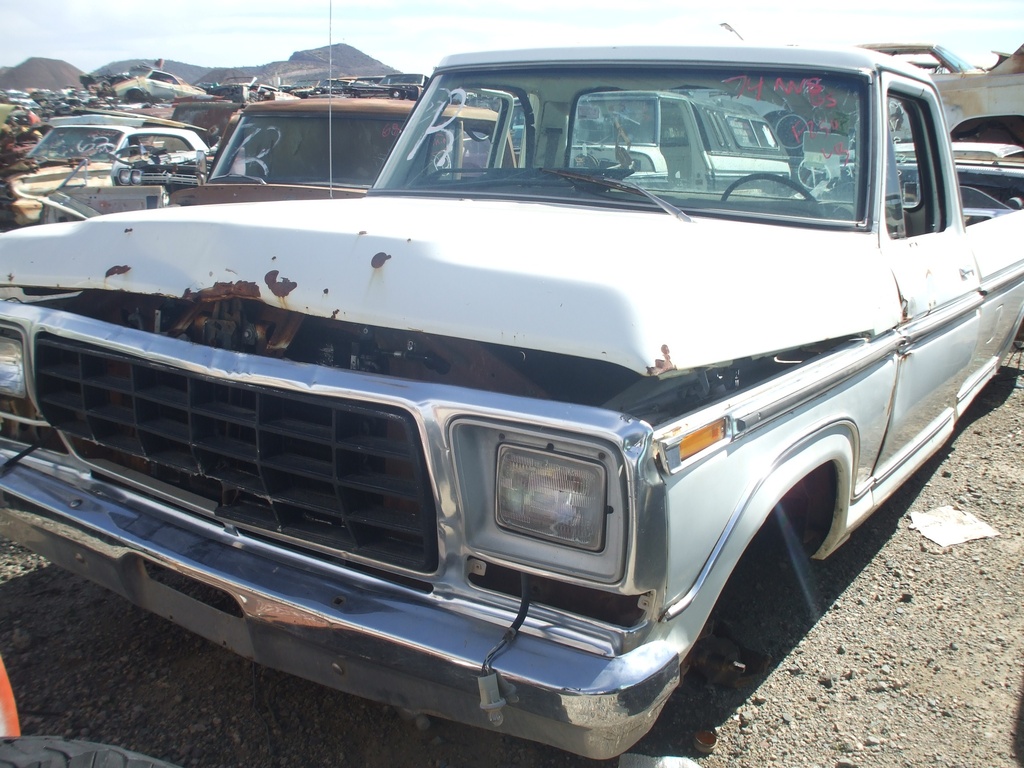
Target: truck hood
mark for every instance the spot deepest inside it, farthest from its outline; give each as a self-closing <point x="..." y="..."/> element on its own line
<point x="643" y="290"/>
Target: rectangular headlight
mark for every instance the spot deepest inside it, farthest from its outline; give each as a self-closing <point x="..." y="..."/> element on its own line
<point x="12" y="367"/>
<point x="551" y="497"/>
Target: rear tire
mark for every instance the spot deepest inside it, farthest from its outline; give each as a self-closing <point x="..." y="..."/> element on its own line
<point x="53" y="752"/>
<point x="136" y="96"/>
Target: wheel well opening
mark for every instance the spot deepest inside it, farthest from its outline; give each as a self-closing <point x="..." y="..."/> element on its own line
<point x="804" y="514"/>
<point x="777" y="558"/>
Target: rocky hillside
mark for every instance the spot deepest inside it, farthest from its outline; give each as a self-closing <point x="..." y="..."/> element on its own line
<point x="336" y="60"/>
<point x="39" y="73"/>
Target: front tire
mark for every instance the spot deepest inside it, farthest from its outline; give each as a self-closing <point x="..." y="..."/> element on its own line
<point x="53" y="752"/>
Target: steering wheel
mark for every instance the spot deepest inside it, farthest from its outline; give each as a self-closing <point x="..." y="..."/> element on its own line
<point x="812" y="174"/>
<point x="784" y="180"/>
<point x="585" y="160"/>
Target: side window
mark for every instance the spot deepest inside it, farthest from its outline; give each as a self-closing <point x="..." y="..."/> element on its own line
<point x="914" y="190"/>
<point x="157" y="142"/>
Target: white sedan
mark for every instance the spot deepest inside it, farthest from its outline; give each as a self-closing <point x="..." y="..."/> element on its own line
<point x="80" y="152"/>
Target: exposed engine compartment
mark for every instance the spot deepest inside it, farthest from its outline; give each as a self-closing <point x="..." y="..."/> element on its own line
<point x="227" y="317"/>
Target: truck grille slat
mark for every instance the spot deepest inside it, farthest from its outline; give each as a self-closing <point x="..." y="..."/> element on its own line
<point x="228" y="447"/>
<point x="302" y="466"/>
<point x="331" y="472"/>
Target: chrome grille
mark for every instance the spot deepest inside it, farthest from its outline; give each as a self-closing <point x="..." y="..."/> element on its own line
<point x="336" y="473"/>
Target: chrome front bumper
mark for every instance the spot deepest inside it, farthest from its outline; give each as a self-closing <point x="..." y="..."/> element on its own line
<point x="342" y="629"/>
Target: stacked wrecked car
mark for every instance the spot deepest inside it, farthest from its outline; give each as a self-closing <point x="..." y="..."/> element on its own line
<point x="74" y="165"/>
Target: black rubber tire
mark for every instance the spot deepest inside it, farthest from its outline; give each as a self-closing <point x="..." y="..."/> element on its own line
<point x="53" y="752"/>
<point x="136" y="95"/>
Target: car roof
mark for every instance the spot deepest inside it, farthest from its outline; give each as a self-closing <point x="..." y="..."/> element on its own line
<point x="852" y="59"/>
<point x="193" y="138"/>
<point x="341" y="105"/>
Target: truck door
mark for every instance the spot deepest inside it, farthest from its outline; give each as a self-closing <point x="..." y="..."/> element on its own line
<point x="924" y="241"/>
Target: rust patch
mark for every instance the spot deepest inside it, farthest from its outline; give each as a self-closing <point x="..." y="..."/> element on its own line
<point x="217" y="291"/>
<point x="663" y="363"/>
<point x="378" y="259"/>
<point x="279" y="287"/>
<point x="334" y="314"/>
<point x="118" y="270"/>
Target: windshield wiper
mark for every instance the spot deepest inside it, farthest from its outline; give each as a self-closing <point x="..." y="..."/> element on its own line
<point x="621" y="185"/>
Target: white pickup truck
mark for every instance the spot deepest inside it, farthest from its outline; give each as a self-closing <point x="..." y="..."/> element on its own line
<point x="488" y="442"/>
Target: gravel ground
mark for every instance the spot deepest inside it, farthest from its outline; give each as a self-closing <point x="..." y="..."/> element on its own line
<point x="895" y="652"/>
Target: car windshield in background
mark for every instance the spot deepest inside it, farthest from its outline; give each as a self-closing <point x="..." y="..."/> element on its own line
<point x="295" y="149"/>
<point x="69" y="142"/>
<point x="755" y="142"/>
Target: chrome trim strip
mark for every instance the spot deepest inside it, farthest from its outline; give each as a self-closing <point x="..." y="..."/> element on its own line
<point x="1003" y="280"/>
<point x="766" y="402"/>
<point x="938" y="319"/>
<point x="23" y="419"/>
<point x="911" y="450"/>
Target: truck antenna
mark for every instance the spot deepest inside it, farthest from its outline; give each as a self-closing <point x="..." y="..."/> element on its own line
<point x="330" y="99"/>
<point x="728" y="28"/>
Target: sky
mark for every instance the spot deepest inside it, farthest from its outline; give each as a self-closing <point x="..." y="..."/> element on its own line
<point x="415" y="36"/>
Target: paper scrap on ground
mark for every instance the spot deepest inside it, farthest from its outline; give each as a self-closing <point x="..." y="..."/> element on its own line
<point x="947" y="526"/>
<point x="643" y="761"/>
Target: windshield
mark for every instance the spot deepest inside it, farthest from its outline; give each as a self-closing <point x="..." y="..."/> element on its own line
<point x="76" y="141"/>
<point x="403" y="80"/>
<point x="294" y="149"/>
<point x="756" y="142"/>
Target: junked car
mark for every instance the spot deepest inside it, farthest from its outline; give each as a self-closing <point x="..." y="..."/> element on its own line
<point x="78" y="153"/>
<point x="403" y="85"/>
<point x="307" y="148"/>
<point x="246" y="90"/>
<point x="301" y="148"/>
<point x="687" y="137"/>
<point x="985" y="105"/>
<point x="154" y="85"/>
<point x="995" y="169"/>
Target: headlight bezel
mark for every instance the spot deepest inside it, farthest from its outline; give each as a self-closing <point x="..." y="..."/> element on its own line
<point x="476" y="445"/>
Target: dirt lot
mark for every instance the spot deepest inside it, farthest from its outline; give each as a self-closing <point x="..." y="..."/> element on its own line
<point x="894" y="652"/>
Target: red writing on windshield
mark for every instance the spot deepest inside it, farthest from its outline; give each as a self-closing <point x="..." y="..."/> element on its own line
<point x="811" y="87"/>
<point x="747" y="85"/>
<point x="817" y="96"/>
